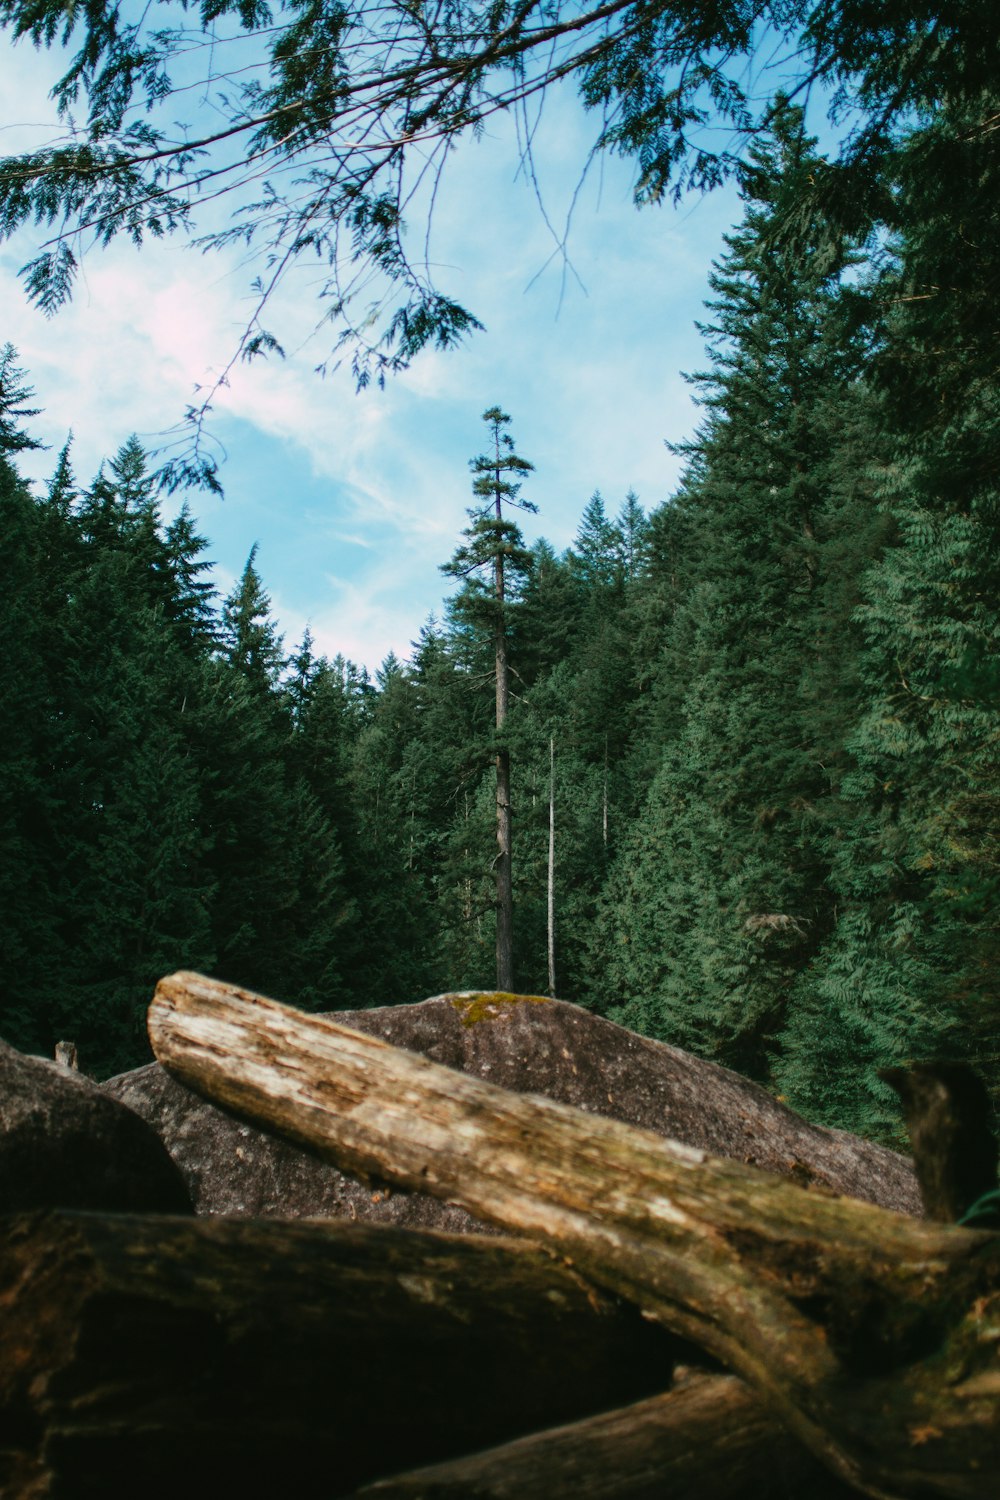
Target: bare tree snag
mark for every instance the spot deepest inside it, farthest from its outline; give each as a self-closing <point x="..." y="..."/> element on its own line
<point x="550" y="904"/>
<point x="248" y="1356"/>
<point x="709" y="1439"/>
<point x="875" y="1338"/>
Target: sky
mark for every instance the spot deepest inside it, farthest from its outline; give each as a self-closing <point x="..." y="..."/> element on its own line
<point x="354" y="500"/>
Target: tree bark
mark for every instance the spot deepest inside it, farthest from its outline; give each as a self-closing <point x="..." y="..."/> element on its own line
<point x="874" y="1337"/>
<point x="708" y="1440"/>
<point x="251" y="1355"/>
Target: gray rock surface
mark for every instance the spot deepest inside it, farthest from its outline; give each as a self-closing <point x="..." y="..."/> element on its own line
<point x="528" y="1045"/>
<point x="66" y="1143"/>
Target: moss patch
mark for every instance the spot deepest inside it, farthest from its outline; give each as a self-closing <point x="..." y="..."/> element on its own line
<point x="486" y="1005"/>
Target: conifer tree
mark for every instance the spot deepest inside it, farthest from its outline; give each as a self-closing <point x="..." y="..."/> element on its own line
<point x="129" y="879"/>
<point x="595" y="551"/>
<point x="250" y="639"/>
<point x="911" y="969"/>
<point x="29" y="934"/>
<point x="192" y="596"/>
<point x="15" y="395"/>
<point x="494" y="545"/>
<point x="387" y="788"/>
<point x="242" y="738"/>
<point x="719" y="898"/>
<point x="632" y="529"/>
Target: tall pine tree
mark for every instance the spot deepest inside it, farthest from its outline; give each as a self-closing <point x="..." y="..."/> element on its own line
<point x="494" y="546"/>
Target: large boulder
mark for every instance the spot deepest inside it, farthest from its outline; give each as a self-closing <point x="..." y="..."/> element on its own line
<point x="65" y="1143"/>
<point x="528" y="1045"/>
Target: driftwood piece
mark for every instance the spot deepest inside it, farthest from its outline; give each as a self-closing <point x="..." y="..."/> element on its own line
<point x="530" y="1045"/>
<point x="231" y="1168"/>
<point x="162" y="1356"/>
<point x="710" y="1439"/>
<point x="873" y="1337"/>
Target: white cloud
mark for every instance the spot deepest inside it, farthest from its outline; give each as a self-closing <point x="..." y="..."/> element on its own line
<point x="372" y="488"/>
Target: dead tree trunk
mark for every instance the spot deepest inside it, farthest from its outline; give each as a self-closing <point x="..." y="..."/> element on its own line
<point x="505" y="841"/>
<point x="708" y="1440"/>
<point x="551" y="881"/>
<point x="504" y="875"/>
<point x="168" y="1356"/>
<point x="875" y="1338"/>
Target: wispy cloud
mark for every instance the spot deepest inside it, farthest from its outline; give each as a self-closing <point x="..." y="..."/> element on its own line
<point x="371" y="489"/>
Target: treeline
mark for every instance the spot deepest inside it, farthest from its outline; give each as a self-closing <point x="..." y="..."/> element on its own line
<point x="764" y="719"/>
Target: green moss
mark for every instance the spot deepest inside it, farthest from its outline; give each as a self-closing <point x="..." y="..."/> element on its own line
<point x="486" y="1005"/>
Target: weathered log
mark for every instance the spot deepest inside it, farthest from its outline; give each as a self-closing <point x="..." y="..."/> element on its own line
<point x="233" y="1169"/>
<point x="531" y="1045"/>
<point x="875" y="1338"/>
<point x="709" y="1439"/>
<point x="175" y="1357"/>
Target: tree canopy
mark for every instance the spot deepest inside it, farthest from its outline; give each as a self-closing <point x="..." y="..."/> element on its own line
<point x="323" y="126"/>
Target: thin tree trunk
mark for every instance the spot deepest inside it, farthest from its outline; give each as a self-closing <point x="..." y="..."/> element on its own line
<point x="503" y="873"/>
<point x="504" y="884"/>
<point x="604" y="796"/>
<point x="552" y="867"/>
<point x="875" y="1338"/>
<point x="467" y="883"/>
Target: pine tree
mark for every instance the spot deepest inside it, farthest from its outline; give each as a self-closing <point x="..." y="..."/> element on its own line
<point x="250" y="640"/>
<point x="29" y="935"/>
<point x="192" y="597"/>
<point x="242" y="731"/>
<point x="494" y="545"/>
<point x="15" y="395"/>
<point x="127" y="854"/>
<point x="719" y="898"/>
<point x="911" y="969"/>
<point x="595" y="553"/>
<point x="632" y="531"/>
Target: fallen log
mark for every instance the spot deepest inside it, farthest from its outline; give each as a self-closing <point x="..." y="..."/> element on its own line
<point x="875" y="1338"/>
<point x="169" y="1356"/>
<point x="532" y="1046"/>
<point x="708" y="1440"/>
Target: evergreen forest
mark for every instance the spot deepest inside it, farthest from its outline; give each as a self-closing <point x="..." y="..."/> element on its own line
<point x="752" y="735"/>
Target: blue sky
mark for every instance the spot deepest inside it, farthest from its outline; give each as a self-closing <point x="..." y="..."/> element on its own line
<point x="354" y="500"/>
